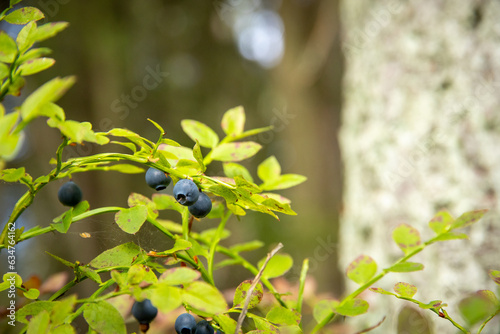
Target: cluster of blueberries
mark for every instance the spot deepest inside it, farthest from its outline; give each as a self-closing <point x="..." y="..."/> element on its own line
<point x="186" y="192"/>
<point x="144" y="312"/>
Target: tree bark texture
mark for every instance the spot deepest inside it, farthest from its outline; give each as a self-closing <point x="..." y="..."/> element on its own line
<point x="420" y="133"/>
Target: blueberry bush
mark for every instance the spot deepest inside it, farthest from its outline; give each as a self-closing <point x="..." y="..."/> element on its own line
<point x="179" y="278"/>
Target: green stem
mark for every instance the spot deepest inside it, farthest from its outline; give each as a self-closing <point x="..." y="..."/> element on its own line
<point x="302" y="283"/>
<point x="189" y="257"/>
<point x="215" y="242"/>
<point x="39" y="231"/>
<point x="254" y="270"/>
<point x="25" y="201"/>
<point x="487" y="320"/>
<point x="331" y="316"/>
<point x="446" y="316"/>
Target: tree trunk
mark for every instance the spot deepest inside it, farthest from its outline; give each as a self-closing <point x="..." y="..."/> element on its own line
<point x="420" y="134"/>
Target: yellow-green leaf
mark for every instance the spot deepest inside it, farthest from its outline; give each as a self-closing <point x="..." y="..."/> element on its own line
<point x="200" y="132"/>
<point x="362" y="269"/>
<point x="236" y="151"/>
<point x="233" y="121"/>
<point x="24" y="15"/>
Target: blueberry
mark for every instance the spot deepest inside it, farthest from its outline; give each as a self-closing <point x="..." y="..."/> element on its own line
<point x="144" y="311"/>
<point x="69" y="194"/>
<point x="202" y="206"/>
<point x="203" y="327"/>
<point x="185" y="324"/>
<point x="157" y="179"/>
<point x="186" y="192"/>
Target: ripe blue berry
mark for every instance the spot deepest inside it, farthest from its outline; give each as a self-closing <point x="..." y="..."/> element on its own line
<point x="185" y="324"/>
<point x="186" y="192"/>
<point x="203" y="327"/>
<point x="144" y="311"/>
<point x="201" y="207"/>
<point x="157" y="179"/>
<point x="69" y="194"/>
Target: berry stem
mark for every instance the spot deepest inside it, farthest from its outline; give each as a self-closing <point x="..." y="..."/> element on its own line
<point x="215" y="242"/>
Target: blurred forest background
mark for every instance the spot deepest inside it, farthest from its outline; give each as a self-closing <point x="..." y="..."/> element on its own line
<point x="174" y="60"/>
<point x="416" y="83"/>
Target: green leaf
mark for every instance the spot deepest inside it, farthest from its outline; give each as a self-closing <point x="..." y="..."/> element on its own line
<point x="33" y="52"/>
<point x="157" y="126"/>
<point x="32" y="293"/>
<point x="36" y="65"/>
<point x="226" y="322"/>
<point x="104" y="318"/>
<point x="279" y="207"/>
<point x="236" y="151"/>
<point x="25" y="38"/>
<point x="63" y="329"/>
<point x="178" y="276"/>
<point x="263" y="326"/>
<point x="12" y="174"/>
<point x="224" y="192"/>
<point x="233" y="121"/>
<point x="167" y="202"/>
<point x="24" y="15"/>
<point x="278" y="265"/>
<point x="476" y="307"/>
<point x="139" y="273"/>
<point x="49" y="30"/>
<point x="241" y="293"/>
<point x="165" y="297"/>
<point x="198" y="156"/>
<point x="63" y="261"/>
<point x="362" y="269"/>
<point x="16" y="86"/>
<point x="284" y="181"/>
<point x="33" y="309"/>
<point x="435" y="304"/>
<point x="282" y="316"/>
<point x="405" y="289"/>
<point x="352" y="307"/>
<point x="62" y="309"/>
<point x="189" y="167"/>
<point x="14" y="2"/>
<point x="232" y="169"/>
<point x="468" y="218"/>
<point x="39" y="324"/>
<point x="406" y="237"/>
<point x="247" y="246"/>
<point x="131" y="220"/>
<point x="451" y="236"/>
<point x="90" y="273"/>
<point x="204" y="298"/>
<point x="495" y="275"/>
<point x="132" y="136"/>
<point x="4" y="72"/>
<point x="119" y="256"/>
<point x="52" y="110"/>
<point x="269" y="169"/>
<point x="8" y="279"/>
<point x="441" y="222"/>
<point x="200" y="132"/>
<point x="135" y="199"/>
<point x="126" y="169"/>
<point x="382" y="291"/>
<point x="405" y="267"/>
<point x="49" y="92"/>
<point x="8" y="48"/>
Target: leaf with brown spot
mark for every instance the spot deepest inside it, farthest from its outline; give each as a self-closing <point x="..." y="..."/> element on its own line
<point x="241" y="293"/>
<point x="406" y="237"/>
<point x="468" y="218"/>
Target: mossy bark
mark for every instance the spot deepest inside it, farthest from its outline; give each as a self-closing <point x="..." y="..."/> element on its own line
<point x="420" y="133"/>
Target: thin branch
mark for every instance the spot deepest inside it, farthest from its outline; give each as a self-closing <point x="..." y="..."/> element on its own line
<point x="252" y="287"/>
